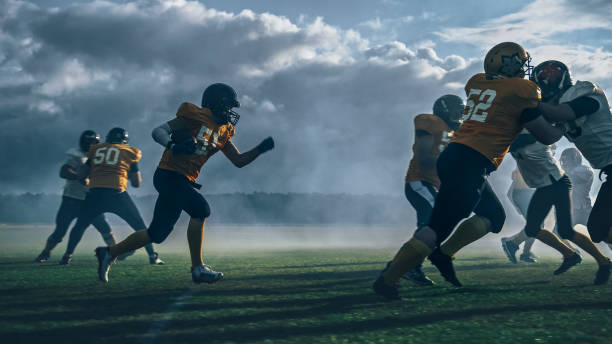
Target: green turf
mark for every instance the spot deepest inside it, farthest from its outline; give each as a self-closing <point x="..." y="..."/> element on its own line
<point x="314" y="296"/>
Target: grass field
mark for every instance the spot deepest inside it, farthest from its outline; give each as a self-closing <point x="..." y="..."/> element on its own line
<point x="296" y="296"/>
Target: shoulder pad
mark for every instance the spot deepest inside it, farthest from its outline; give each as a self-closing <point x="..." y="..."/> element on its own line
<point x="191" y="111"/>
<point x="75" y="153"/>
<point x="526" y="88"/>
<point x="580" y="89"/>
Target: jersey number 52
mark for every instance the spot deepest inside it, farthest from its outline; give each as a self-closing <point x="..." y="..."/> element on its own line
<point x="477" y="104"/>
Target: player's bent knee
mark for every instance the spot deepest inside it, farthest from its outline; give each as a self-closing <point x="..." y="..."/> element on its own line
<point x="427" y="236"/>
<point x="497" y="222"/>
<point x="532" y="232"/>
<point x="158" y="236"/>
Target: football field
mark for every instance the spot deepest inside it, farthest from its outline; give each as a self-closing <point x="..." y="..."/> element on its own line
<point x="272" y="294"/>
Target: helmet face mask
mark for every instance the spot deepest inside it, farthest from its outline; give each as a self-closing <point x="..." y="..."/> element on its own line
<point x="450" y="108"/>
<point x="88" y="138"/>
<point x="117" y="135"/>
<point x="552" y="77"/>
<point x="220" y="99"/>
<point x="508" y="60"/>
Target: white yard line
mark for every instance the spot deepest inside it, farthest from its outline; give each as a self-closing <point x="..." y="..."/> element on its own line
<point x="160" y="325"/>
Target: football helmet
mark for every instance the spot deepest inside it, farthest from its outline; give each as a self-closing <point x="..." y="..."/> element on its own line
<point x="552" y="77"/>
<point x="117" y="135"/>
<point x="450" y="108"/>
<point x="88" y="138"/>
<point x="509" y="60"/>
<point x="570" y="158"/>
<point x="220" y="99"/>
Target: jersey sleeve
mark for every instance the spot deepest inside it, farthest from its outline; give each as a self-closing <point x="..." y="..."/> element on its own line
<point x="136" y="154"/>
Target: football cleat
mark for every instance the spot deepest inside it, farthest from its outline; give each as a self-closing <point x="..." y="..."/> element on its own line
<point x="603" y="274"/>
<point x="204" y="274"/>
<point x="574" y="259"/>
<point x="42" y="257"/>
<point x="444" y="263"/>
<point x="381" y="288"/>
<point x="66" y="259"/>
<point x="105" y="260"/>
<point x="154" y="259"/>
<point x="510" y="249"/>
<point x="528" y="258"/>
<point x="417" y="276"/>
<point x="124" y="256"/>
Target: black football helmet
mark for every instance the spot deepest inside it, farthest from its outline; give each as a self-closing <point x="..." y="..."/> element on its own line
<point x="117" y="135"/>
<point x="553" y="77"/>
<point x="88" y="138"/>
<point x="450" y="108"/>
<point x="220" y="99"/>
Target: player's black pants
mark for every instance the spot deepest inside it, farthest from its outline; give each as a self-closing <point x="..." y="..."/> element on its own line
<point x="422" y="196"/>
<point x="70" y="210"/>
<point x="464" y="189"/>
<point x="106" y="200"/>
<point x="600" y="220"/>
<point x="557" y="194"/>
<point x="176" y="193"/>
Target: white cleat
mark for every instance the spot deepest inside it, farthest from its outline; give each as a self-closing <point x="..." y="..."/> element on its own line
<point x="204" y="274"/>
<point x="105" y="260"/>
<point x="154" y="259"/>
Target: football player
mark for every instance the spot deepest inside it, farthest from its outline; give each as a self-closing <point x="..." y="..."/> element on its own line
<point x="190" y="140"/>
<point x="109" y="165"/>
<point x="584" y="109"/>
<point x="520" y="194"/>
<point x="542" y="171"/>
<point x="500" y="103"/>
<point x="75" y="191"/>
<point x="432" y="134"/>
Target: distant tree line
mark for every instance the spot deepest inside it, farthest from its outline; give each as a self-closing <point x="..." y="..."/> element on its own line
<point x="241" y="208"/>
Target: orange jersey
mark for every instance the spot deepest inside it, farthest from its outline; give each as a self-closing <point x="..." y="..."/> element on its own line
<point x="492" y="115"/>
<point x="442" y="135"/>
<point x="110" y="164"/>
<point x="192" y="121"/>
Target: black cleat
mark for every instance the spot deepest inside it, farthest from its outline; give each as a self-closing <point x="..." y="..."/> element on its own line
<point x="444" y="264"/>
<point x="42" y="257"/>
<point x="66" y="259"/>
<point x="574" y="259"/>
<point x="510" y="249"/>
<point x="387" y="291"/>
<point x="603" y="274"/>
<point x="417" y="276"/>
<point x="528" y="258"/>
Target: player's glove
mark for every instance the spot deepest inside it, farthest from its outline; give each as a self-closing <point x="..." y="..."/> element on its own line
<point x="266" y="145"/>
<point x="186" y="146"/>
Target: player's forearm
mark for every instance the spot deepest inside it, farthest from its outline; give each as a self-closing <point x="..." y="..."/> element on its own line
<point x="162" y="134"/>
<point x="246" y="158"/>
<point x="66" y="172"/>
<point x="557" y="113"/>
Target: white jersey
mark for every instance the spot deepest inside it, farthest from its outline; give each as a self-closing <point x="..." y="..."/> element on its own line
<point x="537" y="165"/>
<point x="582" y="180"/>
<point x="592" y="134"/>
<point x="74" y="188"/>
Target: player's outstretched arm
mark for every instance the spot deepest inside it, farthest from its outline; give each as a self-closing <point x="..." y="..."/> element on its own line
<point x="134" y="175"/>
<point x="543" y="131"/>
<point x="242" y="159"/>
<point x="581" y="106"/>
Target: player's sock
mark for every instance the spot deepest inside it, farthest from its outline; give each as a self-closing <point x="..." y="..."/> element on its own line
<point x="550" y="239"/>
<point x="109" y="239"/>
<point x="585" y="243"/>
<point x="411" y="255"/>
<point x="150" y="250"/>
<point x="133" y="242"/>
<point x="195" y="238"/>
<point x="519" y="238"/>
<point x="468" y="231"/>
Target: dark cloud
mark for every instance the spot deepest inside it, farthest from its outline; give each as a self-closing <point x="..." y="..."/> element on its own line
<point x="340" y="110"/>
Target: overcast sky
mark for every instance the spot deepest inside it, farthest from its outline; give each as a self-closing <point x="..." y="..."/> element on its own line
<point x="336" y="83"/>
